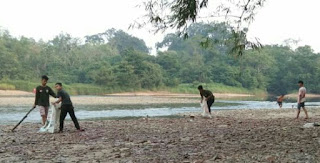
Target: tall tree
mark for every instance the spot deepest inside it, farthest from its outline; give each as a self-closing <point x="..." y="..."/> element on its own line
<point x="180" y="14"/>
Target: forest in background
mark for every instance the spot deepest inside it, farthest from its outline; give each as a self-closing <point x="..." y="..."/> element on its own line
<point x="114" y="61"/>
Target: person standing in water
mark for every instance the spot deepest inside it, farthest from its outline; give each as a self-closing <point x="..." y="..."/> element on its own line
<point x="66" y="107"/>
<point x="280" y="100"/>
<point x="42" y="98"/>
<point x="207" y="96"/>
<point x="302" y="99"/>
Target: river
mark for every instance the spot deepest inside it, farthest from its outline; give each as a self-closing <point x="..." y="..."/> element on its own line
<point x="12" y="113"/>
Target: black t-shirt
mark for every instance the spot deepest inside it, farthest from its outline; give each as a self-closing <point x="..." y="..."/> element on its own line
<point x="206" y="94"/>
<point x="65" y="97"/>
<point x="42" y="95"/>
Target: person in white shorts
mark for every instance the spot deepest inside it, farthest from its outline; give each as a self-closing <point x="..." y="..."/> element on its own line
<point x="302" y="99"/>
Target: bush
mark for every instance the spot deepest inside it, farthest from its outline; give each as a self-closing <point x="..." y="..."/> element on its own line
<point x="4" y="86"/>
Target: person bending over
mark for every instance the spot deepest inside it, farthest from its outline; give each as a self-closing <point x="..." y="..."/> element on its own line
<point x="207" y="96"/>
<point x="66" y="107"/>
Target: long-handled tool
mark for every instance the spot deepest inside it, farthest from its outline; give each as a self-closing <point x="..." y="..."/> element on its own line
<point x="23" y="119"/>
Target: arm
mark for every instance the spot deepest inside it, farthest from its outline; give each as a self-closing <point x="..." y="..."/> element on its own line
<point x="58" y="101"/>
<point x="36" y="98"/>
<point x="51" y="92"/>
<point x="201" y="98"/>
<point x="300" y="96"/>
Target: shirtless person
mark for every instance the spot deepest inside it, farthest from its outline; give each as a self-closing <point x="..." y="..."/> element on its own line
<point x="302" y="99"/>
<point x="280" y="100"/>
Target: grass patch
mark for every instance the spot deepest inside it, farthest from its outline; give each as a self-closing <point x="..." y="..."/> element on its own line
<point x="5" y="86"/>
<point x="73" y="89"/>
<point x="215" y="88"/>
<point x="91" y="89"/>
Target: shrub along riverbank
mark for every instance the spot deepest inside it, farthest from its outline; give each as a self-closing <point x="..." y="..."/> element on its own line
<point x="91" y="89"/>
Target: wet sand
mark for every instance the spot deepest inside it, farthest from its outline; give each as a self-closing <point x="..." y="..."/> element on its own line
<point x="231" y="136"/>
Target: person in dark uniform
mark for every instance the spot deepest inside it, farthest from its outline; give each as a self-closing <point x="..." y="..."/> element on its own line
<point x="66" y="107"/>
<point x="207" y="96"/>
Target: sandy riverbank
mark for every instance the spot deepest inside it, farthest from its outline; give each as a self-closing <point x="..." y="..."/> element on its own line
<point x="14" y="93"/>
<point x="141" y="98"/>
<point x="232" y="136"/>
<point x="163" y="93"/>
<point x="307" y="96"/>
<point x="104" y="100"/>
<point x="147" y="93"/>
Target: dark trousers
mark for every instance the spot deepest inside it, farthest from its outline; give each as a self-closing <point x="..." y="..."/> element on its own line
<point x="210" y="102"/>
<point x="68" y="109"/>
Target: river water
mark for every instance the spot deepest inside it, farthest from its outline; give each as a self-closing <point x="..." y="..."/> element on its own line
<point x="13" y="113"/>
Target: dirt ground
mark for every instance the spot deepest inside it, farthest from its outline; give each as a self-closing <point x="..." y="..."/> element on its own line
<point x="231" y="136"/>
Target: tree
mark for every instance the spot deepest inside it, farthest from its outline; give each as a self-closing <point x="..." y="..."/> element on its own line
<point x="9" y="64"/>
<point x="118" y="39"/>
<point x="104" y="76"/>
<point x="125" y="76"/>
<point x="180" y="14"/>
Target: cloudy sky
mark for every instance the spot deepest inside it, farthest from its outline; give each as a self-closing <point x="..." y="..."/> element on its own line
<point x="277" y="21"/>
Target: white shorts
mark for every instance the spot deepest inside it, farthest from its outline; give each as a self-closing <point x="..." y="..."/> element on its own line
<point x="43" y="110"/>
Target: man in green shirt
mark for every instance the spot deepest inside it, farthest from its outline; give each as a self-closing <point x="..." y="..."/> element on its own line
<point x="42" y="98"/>
<point x="209" y="97"/>
<point x="66" y="107"/>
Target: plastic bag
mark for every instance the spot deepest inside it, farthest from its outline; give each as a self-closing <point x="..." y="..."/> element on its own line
<point x="52" y="124"/>
<point x="205" y="109"/>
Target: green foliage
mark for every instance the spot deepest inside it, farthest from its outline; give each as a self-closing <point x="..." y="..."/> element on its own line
<point x="183" y="14"/>
<point x="115" y="62"/>
<point x="119" y="40"/>
<point x="4" y="86"/>
<point x="217" y="87"/>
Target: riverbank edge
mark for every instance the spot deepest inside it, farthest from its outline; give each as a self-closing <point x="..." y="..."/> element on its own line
<point x="92" y="89"/>
<point x="138" y="93"/>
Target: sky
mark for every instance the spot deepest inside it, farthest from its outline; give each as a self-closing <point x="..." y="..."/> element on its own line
<point x="277" y="21"/>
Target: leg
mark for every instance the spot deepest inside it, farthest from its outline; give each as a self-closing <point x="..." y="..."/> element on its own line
<point x="73" y="117"/>
<point x="63" y="115"/>
<point x="298" y="111"/>
<point x="209" y="107"/>
<point x="305" y="111"/>
<point x="210" y="102"/>
<point x="44" y="119"/>
<point x="46" y="110"/>
<point x="43" y="114"/>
